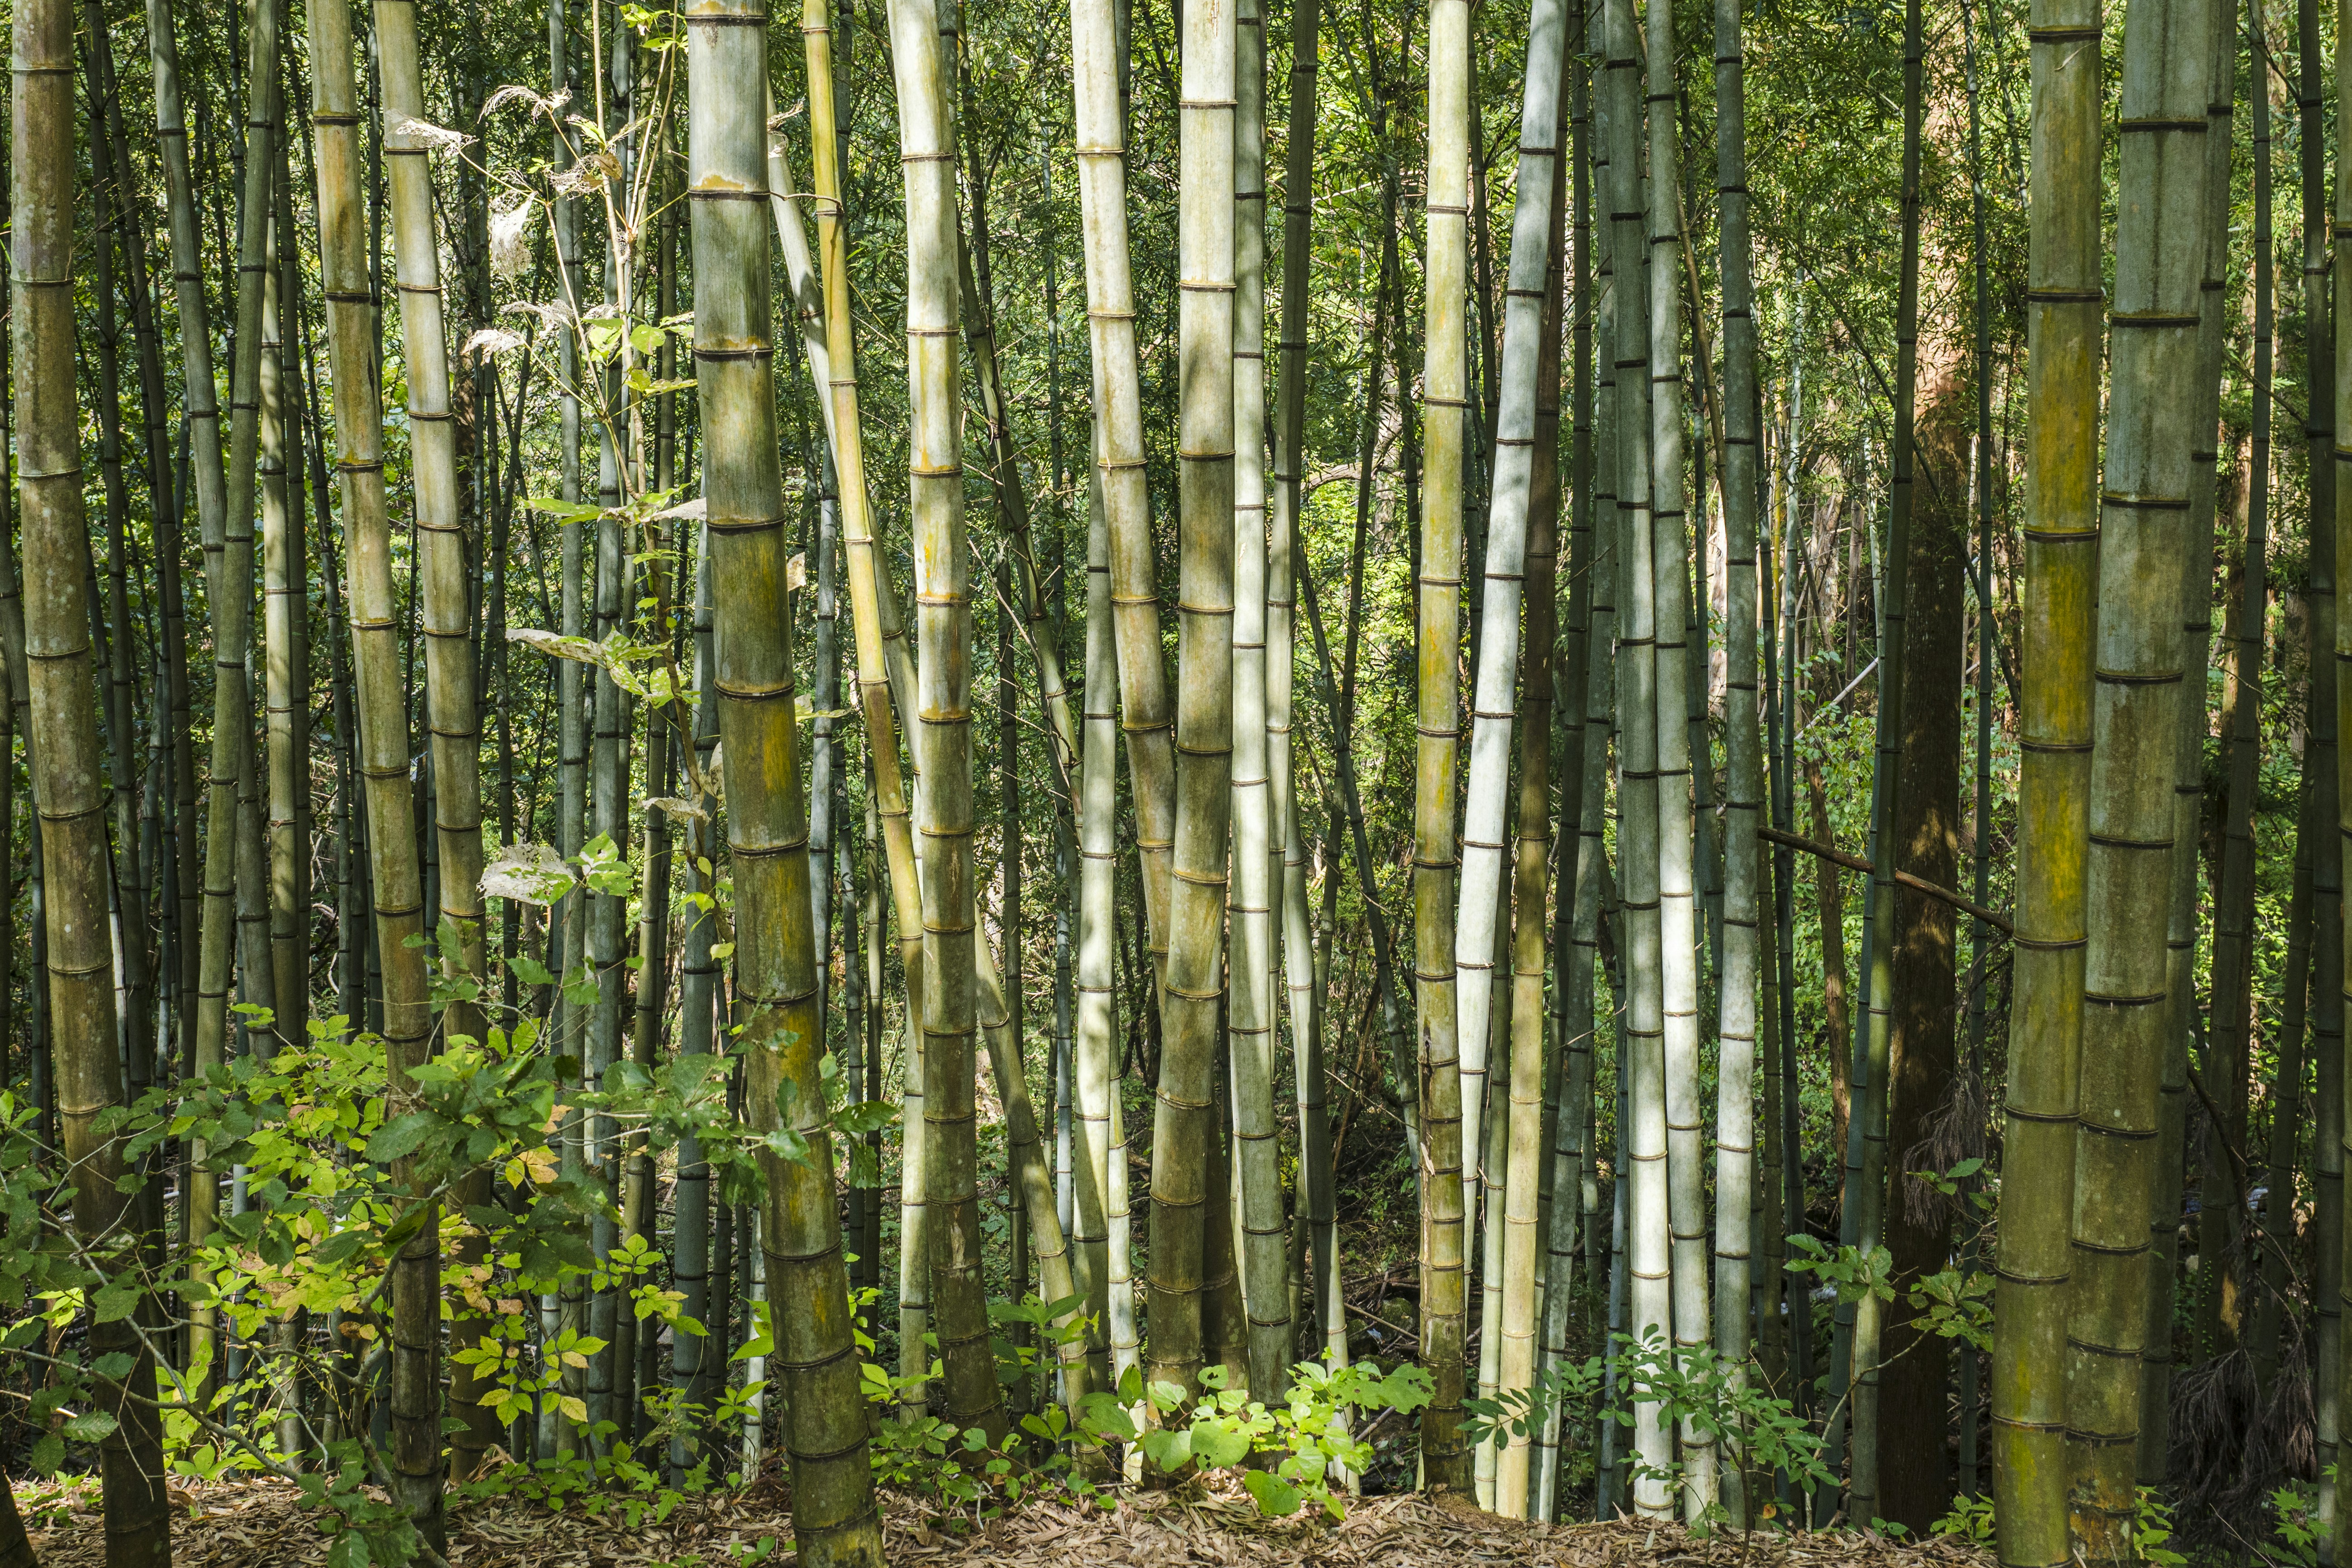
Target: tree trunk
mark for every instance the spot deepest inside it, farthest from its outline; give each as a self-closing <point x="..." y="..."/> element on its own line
<point x="1914" y="1482"/>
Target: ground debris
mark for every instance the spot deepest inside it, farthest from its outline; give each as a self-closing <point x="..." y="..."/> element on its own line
<point x="263" y="1524"/>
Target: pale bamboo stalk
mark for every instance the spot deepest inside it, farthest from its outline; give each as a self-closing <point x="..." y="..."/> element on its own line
<point x="1251" y="1012"/>
<point x="1585" y="685"/>
<point x="1641" y="746"/>
<point x="1678" y="800"/>
<point x="1520" y="542"/>
<point x="1095" y="1049"/>
<point x="284" y="646"/>
<point x="1314" y="1202"/>
<point x="1737" y="985"/>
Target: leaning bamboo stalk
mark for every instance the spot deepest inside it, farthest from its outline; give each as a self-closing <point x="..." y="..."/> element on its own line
<point x="2144" y="537"/>
<point x="285" y="636"/>
<point x="1520" y="494"/>
<point x="877" y="639"/>
<point x="1584" y="688"/>
<point x="1488" y="797"/>
<point x="70" y="791"/>
<point x="1097" y="85"/>
<point x="1533" y="1090"/>
<point x="835" y="1519"/>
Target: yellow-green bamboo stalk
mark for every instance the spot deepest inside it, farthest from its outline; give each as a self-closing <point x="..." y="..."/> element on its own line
<point x="1184" y="1140"/>
<point x="2145" y="531"/>
<point x="2054" y="656"/>
<point x="70" y="791"/>
<point x="1447" y="1073"/>
<point x="835" y="1519"/>
<point x="942" y="589"/>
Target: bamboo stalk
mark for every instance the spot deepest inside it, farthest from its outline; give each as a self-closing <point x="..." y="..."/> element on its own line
<point x="1451" y="1069"/>
<point x="835" y="1519"/>
<point x="63" y="733"/>
<point x="2145" y="536"/>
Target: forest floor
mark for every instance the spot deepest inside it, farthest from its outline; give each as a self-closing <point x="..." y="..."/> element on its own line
<point x="262" y="1524"/>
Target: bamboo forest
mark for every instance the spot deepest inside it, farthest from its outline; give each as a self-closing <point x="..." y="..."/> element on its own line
<point x="1374" y="783"/>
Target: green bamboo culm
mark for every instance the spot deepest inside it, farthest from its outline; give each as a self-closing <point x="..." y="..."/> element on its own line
<point x="2065" y="339"/>
<point x="209" y="476"/>
<point x="2342" y="1491"/>
<point x="396" y="891"/>
<point x="835" y="1519"/>
<point x="2185" y="917"/>
<point x="1444" y="1141"/>
<point x="1184" y="1134"/>
<point x="1314" y="1207"/>
<point x="453" y="714"/>
<point x="948" y="999"/>
<point x="69" y="786"/>
<point x="2145" y="536"/>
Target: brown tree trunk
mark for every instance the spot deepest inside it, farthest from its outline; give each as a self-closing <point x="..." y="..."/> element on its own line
<point x="1914" y="1473"/>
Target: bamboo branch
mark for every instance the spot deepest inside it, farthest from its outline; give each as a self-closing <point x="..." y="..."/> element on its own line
<point x="1916" y="884"/>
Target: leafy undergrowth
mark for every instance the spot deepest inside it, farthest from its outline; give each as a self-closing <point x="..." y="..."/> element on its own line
<point x="252" y="1523"/>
